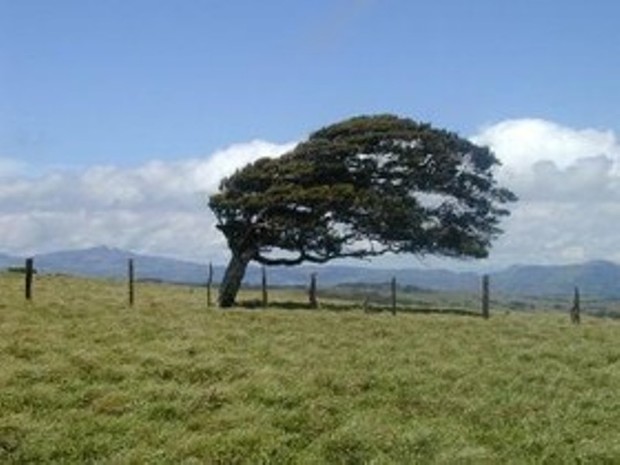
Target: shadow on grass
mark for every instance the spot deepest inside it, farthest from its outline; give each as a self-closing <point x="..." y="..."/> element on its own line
<point x="347" y="307"/>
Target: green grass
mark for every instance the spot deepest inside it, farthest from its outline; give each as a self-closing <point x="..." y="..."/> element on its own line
<point x="85" y="379"/>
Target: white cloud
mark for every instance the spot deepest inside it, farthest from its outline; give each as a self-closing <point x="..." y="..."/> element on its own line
<point x="521" y="143"/>
<point x="154" y="208"/>
<point x="568" y="181"/>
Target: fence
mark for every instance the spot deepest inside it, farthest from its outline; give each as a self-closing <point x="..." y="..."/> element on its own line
<point x="394" y="305"/>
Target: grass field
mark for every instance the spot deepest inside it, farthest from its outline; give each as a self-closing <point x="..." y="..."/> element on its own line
<point x="85" y="379"/>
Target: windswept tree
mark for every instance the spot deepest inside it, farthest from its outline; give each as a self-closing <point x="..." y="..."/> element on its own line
<point x="363" y="187"/>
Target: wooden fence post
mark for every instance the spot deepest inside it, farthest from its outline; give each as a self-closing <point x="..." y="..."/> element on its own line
<point x="131" y="282"/>
<point x="393" y="286"/>
<point x="485" y="296"/>
<point x="209" y="282"/>
<point x="29" y="275"/>
<point x="264" y="286"/>
<point x="575" y="311"/>
<point x="312" y="292"/>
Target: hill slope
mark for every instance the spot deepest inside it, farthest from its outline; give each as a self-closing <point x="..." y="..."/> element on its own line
<point x="599" y="278"/>
<point x="85" y="379"/>
<point x="595" y="278"/>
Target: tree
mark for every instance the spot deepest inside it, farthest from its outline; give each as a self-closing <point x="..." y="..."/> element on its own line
<point x="364" y="187"/>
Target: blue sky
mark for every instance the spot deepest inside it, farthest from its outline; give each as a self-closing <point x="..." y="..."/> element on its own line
<point x="123" y="81"/>
<point x="155" y="91"/>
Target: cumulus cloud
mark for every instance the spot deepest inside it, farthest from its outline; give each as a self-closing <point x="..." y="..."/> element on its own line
<point x="568" y="181"/>
<point x="521" y="143"/>
<point x="158" y="207"/>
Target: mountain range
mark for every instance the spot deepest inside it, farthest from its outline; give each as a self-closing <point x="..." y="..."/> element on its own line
<point x="599" y="278"/>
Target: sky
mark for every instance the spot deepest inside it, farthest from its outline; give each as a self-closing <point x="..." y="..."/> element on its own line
<point x="118" y="118"/>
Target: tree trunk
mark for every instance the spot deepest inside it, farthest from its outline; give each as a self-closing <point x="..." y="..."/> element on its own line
<point x="233" y="277"/>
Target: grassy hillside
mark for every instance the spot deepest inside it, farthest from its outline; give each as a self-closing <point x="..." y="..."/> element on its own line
<point x="84" y="379"/>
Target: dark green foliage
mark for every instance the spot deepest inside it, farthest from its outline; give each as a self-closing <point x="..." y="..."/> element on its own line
<point x="364" y="187"/>
<point x="19" y="270"/>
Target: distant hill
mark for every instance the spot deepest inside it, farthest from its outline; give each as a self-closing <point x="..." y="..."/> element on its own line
<point x="111" y="262"/>
<point x="7" y="261"/>
<point x="598" y="278"/>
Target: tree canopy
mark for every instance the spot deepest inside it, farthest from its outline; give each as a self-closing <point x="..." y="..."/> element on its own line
<point x="363" y="187"/>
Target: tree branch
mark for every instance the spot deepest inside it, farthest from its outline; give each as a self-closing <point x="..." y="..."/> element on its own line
<point x="306" y="257"/>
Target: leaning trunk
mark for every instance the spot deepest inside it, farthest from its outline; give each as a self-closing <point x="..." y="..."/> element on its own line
<point x="233" y="277"/>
